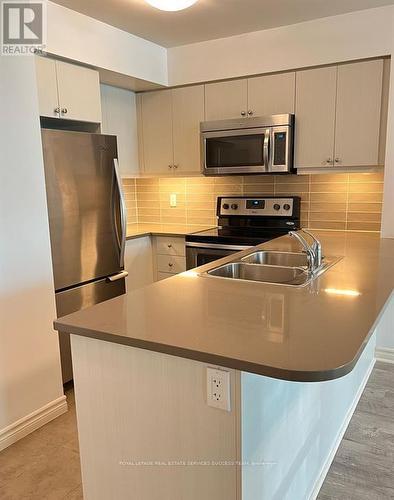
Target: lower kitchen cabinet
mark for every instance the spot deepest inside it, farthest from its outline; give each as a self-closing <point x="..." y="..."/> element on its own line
<point x="139" y="263"/>
<point x="169" y="256"/>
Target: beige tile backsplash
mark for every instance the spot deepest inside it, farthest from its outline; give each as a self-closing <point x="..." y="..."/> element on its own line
<point x="329" y="201"/>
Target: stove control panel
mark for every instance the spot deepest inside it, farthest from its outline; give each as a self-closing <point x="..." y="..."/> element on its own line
<point x="256" y="206"/>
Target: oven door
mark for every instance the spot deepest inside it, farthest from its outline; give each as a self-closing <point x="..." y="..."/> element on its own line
<point x="198" y="254"/>
<point x="236" y="151"/>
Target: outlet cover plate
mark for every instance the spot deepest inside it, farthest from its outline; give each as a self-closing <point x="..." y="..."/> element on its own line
<point x="218" y="388"/>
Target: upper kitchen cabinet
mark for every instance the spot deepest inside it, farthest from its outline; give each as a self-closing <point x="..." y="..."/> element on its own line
<point x="338" y="115"/>
<point x="120" y="119"/>
<point x="170" y="121"/>
<point x="68" y="91"/>
<point x="315" y="117"/>
<point x="47" y="87"/>
<point x="79" y="92"/>
<point x="271" y="94"/>
<point x="226" y="100"/>
<point x="156" y="121"/>
<point x="187" y="113"/>
<point x="358" y="110"/>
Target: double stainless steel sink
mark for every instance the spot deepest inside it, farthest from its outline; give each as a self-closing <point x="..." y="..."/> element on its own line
<point x="281" y="268"/>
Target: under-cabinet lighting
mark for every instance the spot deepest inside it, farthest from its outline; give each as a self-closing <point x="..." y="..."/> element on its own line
<point x="171" y="5"/>
<point x="340" y="291"/>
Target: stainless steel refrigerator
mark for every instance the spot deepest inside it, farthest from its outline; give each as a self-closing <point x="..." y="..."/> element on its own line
<point x="87" y="222"/>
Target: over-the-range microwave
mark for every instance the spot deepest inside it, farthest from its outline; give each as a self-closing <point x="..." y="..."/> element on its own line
<point x="258" y="145"/>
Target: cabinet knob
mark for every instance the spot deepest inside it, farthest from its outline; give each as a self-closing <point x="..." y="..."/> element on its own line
<point x="169" y="166"/>
<point x="337" y="160"/>
<point x="243" y="113"/>
<point x="170" y="264"/>
<point x="329" y="160"/>
<point x="176" y="166"/>
<point x="250" y="112"/>
<point x="64" y="111"/>
<point x="57" y="110"/>
<point x="169" y="245"/>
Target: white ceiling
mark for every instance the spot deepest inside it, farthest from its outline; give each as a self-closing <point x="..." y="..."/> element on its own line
<point x="210" y="19"/>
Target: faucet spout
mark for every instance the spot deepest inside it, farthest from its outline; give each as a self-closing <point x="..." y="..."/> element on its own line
<point x="308" y="250"/>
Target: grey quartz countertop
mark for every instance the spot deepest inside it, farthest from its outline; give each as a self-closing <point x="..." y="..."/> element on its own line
<point x="139" y="230"/>
<point x="310" y="333"/>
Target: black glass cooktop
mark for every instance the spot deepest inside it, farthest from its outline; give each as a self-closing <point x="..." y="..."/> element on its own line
<point x="236" y="236"/>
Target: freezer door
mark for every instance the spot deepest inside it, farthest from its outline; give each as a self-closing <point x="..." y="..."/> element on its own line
<point x="84" y="202"/>
<point x="78" y="298"/>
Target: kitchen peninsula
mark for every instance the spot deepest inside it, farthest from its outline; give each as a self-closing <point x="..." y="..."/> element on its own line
<point x="298" y="359"/>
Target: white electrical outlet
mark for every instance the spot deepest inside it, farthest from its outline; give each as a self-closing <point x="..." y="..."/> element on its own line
<point x="173" y="200"/>
<point x="218" y="388"/>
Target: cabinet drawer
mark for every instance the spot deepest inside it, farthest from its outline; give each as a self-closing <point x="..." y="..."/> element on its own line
<point x="170" y="246"/>
<point x="171" y="264"/>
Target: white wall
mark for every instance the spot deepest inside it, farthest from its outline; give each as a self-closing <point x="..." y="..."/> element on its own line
<point x="346" y="37"/>
<point x="30" y="376"/>
<point x="84" y="39"/>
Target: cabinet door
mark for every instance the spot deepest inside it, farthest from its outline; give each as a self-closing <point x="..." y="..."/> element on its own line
<point x="187" y="113"/>
<point x="315" y="117"/>
<point x="120" y="119"/>
<point x="48" y="101"/>
<point x="226" y="100"/>
<point x="271" y="94"/>
<point x="138" y="262"/>
<point x="359" y="100"/>
<point x="79" y="92"/>
<point x="157" y="131"/>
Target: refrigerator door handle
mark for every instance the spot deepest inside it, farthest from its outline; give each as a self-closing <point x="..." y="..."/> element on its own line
<point x="123" y="212"/>
<point x="119" y="276"/>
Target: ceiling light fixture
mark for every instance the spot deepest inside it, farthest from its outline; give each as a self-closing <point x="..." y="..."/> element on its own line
<point x="171" y="5"/>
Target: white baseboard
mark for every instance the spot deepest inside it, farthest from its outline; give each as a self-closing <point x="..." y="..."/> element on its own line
<point x="326" y="467"/>
<point x="384" y="354"/>
<point x="32" y="422"/>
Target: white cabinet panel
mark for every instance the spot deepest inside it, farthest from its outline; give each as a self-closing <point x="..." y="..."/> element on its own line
<point x="271" y="94"/>
<point x="139" y="262"/>
<point x="187" y="113"/>
<point x="79" y="92"/>
<point x="170" y="246"/>
<point x="315" y="117"/>
<point x="48" y="100"/>
<point x="120" y="119"/>
<point x="157" y="131"/>
<point x="358" y="111"/>
<point x="226" y="100"/>
<point x="171" y="264"/>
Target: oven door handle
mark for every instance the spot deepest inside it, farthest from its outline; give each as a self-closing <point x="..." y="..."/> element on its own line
<point x="214" y="246"/>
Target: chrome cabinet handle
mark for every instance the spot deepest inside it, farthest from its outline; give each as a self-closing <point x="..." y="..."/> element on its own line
<point x="57" y="110"/>
<point x="176" y="166"/>
<point x="123" y="213"/>
<point x="243" y="113"/>
<point x="170" y="166"/>
<point x="64" y="111"/>
<point x="250" y="112"/>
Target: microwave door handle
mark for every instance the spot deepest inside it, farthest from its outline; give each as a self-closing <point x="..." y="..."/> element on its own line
<point x="123" y="213"/>
<point x="266" y="149"/>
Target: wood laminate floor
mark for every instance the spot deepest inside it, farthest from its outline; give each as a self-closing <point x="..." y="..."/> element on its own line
<point x="45" y="465"/>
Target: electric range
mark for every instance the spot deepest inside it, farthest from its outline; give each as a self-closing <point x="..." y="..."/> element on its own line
<point x="243" y="222"/>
